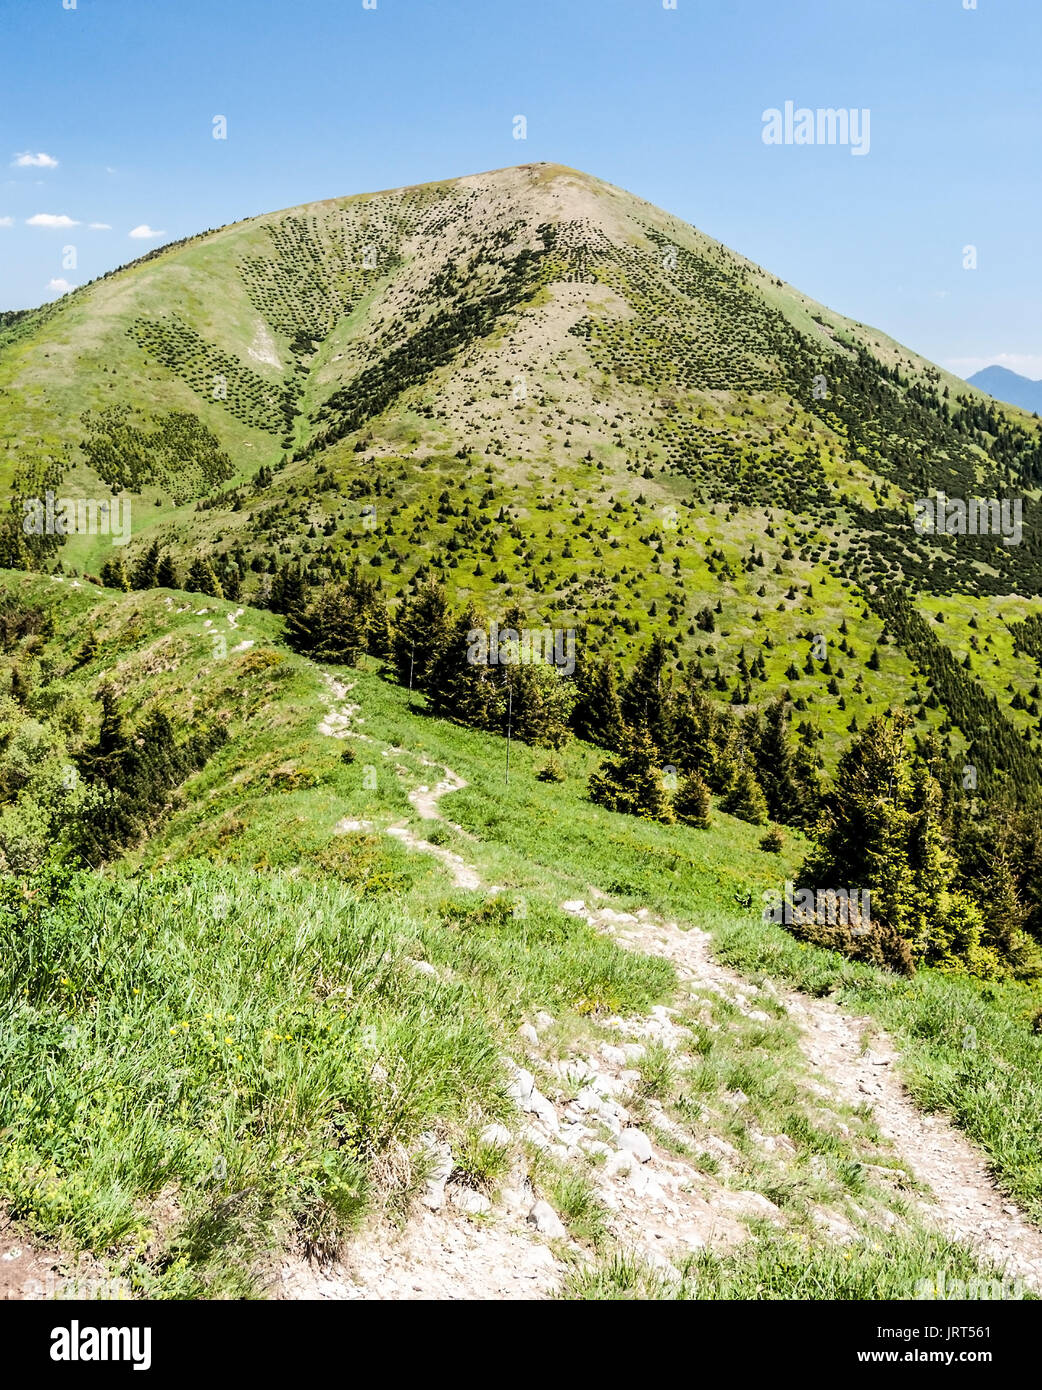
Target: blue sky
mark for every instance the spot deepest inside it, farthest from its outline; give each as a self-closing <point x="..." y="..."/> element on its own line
<point x="326" y="97"/>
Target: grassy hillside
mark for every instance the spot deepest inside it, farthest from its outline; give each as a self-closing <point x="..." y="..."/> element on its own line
<point x="549" y="393"/>
<point x="233" y="1042"/>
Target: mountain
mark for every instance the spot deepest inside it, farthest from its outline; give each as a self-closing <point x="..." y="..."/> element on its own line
<point x="310" y="925"/>
<point x="1010" y="387"/>
<point x="551" y="395"/>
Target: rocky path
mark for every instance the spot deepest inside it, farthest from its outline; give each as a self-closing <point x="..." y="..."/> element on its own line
<point x="961" y="1198"/>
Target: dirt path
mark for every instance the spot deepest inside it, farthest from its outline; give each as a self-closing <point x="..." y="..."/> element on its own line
<point x="964" y="1201"/>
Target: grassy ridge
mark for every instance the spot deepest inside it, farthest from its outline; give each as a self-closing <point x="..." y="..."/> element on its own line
<point x="148" y="1135"/>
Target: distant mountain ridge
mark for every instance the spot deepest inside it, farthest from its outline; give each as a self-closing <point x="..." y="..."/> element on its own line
<point x="1009" y="387"/>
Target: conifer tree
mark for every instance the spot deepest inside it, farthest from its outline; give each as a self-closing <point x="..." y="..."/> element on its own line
<point x="166" y="574"/>
<point x="632" y="781"/>
<point x="745" y="798"/>
<point x="114" y="575"/>
<point x="202" y="579"/>
<point x="146" y="571"/>
<point x="691" y="803"/>
<point x="422" y="631"/>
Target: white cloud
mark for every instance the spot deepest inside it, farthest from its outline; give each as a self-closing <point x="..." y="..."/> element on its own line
<point x="28" y="160"/>
<point x="100" y="227"/>
<point x="1025" y="363"/>
<point x="6" y="221"/>
<point x="145" y="232"/>
<point x="59" y="286"/>
<point x="49" y="219"/>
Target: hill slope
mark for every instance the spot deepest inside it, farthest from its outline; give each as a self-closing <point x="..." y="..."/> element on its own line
<point x="550" y="394"/>
<point x="295" y="1021"/>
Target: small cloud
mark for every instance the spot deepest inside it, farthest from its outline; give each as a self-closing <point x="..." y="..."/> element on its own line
<point x="100" y="227"/>
<point x="27" y="160"/>
<point x="59" y="286"/>
<point x="6" y="221"/>
<point x="145" y="232"/>
<point x="48" y="219"/>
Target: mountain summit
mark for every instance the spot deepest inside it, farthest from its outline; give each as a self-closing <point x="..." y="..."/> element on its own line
<point x="546" y="392"/>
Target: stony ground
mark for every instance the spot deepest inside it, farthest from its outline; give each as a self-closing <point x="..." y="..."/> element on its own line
<point x="585" y="1110"/>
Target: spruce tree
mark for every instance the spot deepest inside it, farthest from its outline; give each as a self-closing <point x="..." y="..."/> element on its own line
<point x="166" y="574"/>
<point x="114" y="575"/>
<point x="632" y="781"/>
<point x="202" y="579"/>
<point x="422" y="629"/>
<point x="745" y="798"/>
<point x="691" y="803"/>
<point x="146" y="571"/>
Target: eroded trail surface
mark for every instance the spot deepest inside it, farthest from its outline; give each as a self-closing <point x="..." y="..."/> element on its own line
<point x="661" y="1206"/>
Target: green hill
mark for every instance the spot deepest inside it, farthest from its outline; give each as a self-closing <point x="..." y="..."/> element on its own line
<point x="548" y="393"/>
<point x="290" y="889"/>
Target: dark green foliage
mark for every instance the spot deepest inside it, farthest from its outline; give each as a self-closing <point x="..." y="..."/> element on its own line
<point x="632" y="781"/>
<point x="691" y="803"/>
<point x="202" y="579"/>
<point x="884" y="829"/>
<point x="135" y="771"/>
<point x="179" y="454"/>
<point x="745" y="798"/>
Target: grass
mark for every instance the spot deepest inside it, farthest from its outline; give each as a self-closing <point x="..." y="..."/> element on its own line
<point x="134" y="1128"/>
<point x="776" y="1267"/>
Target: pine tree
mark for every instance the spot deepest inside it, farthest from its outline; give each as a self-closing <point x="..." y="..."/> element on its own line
<point x="331" y="626"/>
<point x="745" y="798"/>
<point x="597" y="712"/>
<point x="289" y="589"/>
<point x="647" y="696"/>
<point x="166" y="574"/>
<point x="114" y="575"/>
<point x="541" y="704"/>
<point x="146" y="571"/>
<point x="691" y="803"/>
<point x="458" y="687"/>
<point x="632" y="782"/>
<point x="380" y="639"/>
<point x="202" y="579"/>
<point x="422" y="631"/>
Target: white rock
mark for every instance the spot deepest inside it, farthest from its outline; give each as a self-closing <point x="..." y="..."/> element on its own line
<point x="528" y="1034"/>
<point x="496" y="1134"/>
<point x="595" y="1146"/>
<point x="440" y="1171"/>
<point x="620" y="1161"/>
<point x="546" y="1221"/>
<point x="544" y="1110"/>
<point x="544" y="1020"/>
<point x="520" y="1086"/>
<point x="662" y="1267"/>
<point x="465" y="1199"/>
<point x="637" y="1143"/>
<point x="588" y="1099"/>
<point x="536" y="1136"/>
